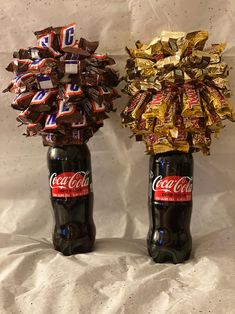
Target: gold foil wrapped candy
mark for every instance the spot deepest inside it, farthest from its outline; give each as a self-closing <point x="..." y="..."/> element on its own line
<point x="179" y="92"/>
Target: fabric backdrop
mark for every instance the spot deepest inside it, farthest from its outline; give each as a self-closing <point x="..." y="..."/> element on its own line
<point x="118" y="277"/>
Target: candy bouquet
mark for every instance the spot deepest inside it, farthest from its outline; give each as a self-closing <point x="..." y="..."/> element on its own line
<point x="63" y="88"/>
<point x="179" y="92"/>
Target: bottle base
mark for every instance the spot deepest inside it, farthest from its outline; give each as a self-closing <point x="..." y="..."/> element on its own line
<point x="166" y="255"/>
<point x="71" y="248"/>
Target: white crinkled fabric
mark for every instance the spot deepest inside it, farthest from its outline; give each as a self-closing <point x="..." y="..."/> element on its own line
<point x="118" y="277"/>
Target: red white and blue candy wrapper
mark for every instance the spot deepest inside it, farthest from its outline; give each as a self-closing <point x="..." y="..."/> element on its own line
<point x="63" y="87"/>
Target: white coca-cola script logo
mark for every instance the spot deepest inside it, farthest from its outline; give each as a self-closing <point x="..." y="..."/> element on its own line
<point x="70" y="180"/>
<point x="173" y="184"/>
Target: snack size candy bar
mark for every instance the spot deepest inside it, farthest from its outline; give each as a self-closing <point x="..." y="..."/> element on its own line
<point x="109" y="106"/>
<point x="138" y="53"/>
<point x="89" y="78"/>
<point x="158" y="105"/>
<point x="89" y="46"/>
<point x="216" y="48"/>
<point x="44" y="66"/>
<point x="71" y="93"/>
<point x="212" y="120"/>
<point x="72" y="66"/>
<point x="201" y="59"/>
<point x="110" y="78"/>
<point x="35" y="53"/>
<point x="191" y="102"/>
<point x="177" y="77"/>
<point x="33" y="129"/>
<point x="67" y="113"/>
<point x="22" y="83"/>
<point x="19" y="66"/>
<point x="100" y="60"/>
<point x="135" y="108"/>
<point x="47" y="81"/>
<point x="73" y="137"/>
<point x="197" y="39"/>
<point x="139" y="128"/>
<point x="50" y="124"/>
<point x="154" y="48"/>
<point x="214" y="98"/>
<point x="194" y="123"/>
<point x="162" y="144"/>
<point x="22" y="101"/>
<point x="171" y="41"/>
<point x="43" y="100"/>
<point x="97" y="107"/>
<point x="168" y="63"/>
<point x="28" y="116"/>
<point x="180" y="142"/>
<point x="218" y="69"/>
<point x="66" y="35"/>
<point x="47" y="38"/>
<point x="170" y="115"/>
<point x="202" y="141"/>
<point x="222" y="84"/>
<point x="82" y="123"/>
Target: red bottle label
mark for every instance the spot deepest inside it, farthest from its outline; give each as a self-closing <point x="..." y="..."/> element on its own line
<point x="173" y="189"/>
<point x="69" y="184"/>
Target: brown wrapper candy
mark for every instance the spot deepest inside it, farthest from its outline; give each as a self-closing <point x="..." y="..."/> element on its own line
<point x="35" y="53"/>
<point x="75" y="137"/>
<point x="23" y="83"/>
<point x="27" y="116"/>
<point x="89" y="46"/>
<point x="44" y="66"/>
<point x="43" y="100"/>
<point x="71" y="93"/>
<point x="33" y="129"/>
<point x="100" y="60"/>
<point x="72" y="66"/>
<point x="19" y="66"/>
<point x="22" y="101"/>
<point x="67" y="113"/>
<point x="81" y="123"/>
<point x="57" y="38"/>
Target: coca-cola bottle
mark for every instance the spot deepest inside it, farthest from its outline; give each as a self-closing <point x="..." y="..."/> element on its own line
<point x="170" y="207"/>
<point x="71" y="198"/>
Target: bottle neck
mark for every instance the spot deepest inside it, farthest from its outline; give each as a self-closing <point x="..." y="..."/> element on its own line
<point x="174" y="152"/>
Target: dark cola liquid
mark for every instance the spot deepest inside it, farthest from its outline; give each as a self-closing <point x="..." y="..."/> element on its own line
<point x="70" y="180"/>
<point x="170" y="207"/>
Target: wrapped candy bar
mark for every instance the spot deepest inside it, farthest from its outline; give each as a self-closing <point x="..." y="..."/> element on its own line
<point x="65" y="81"/>
<point x="179" y="99"/>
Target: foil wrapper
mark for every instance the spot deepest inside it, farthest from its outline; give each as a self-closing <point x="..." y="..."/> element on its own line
<point x="188" y="92"/>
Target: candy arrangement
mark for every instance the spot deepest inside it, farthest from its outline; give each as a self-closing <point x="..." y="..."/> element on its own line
<point x="179" y="92"/>
<point x="63" y="88"/>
